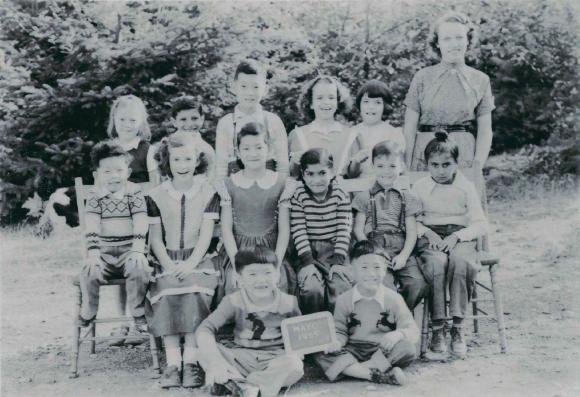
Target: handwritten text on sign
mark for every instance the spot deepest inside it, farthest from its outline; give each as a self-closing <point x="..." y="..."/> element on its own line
<point x="308" y="334"/>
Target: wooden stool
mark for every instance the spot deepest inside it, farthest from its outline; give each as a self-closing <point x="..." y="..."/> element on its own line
<point x="492" y="264"/>
<point x="91" y="333"/>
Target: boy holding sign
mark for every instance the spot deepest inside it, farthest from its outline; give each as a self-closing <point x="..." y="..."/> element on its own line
<point x="255" y="360"/>
<point x="375" y="330"/>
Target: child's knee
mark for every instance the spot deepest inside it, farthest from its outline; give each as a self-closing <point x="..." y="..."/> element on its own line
<point x="402" y="354"/>
<point x="294" y="364"/>
<point x="462" y="265"/>
<point x="434" y="264"/>
<point x="138" y="274"/>
<point x="311" y="284"/>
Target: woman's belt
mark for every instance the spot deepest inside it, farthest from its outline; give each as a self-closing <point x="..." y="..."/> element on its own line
<point x="466" y="127"/>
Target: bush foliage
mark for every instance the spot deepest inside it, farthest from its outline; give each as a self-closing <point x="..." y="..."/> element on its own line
<point x="65" y="62"/>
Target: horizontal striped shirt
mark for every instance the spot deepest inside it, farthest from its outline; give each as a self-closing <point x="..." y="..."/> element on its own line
<point x="329" y="219"/>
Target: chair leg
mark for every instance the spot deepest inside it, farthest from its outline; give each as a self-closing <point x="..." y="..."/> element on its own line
<point x="154" y="352"/>
<point x="93" y="335"/>
<point x="498" y="309"/>
<point x="76" y="334"/>
<point x="425" y="328"/>
<point x="474" y="304"/>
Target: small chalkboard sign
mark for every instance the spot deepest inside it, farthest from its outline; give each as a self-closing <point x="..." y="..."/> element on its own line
<point x="308" y="334"/>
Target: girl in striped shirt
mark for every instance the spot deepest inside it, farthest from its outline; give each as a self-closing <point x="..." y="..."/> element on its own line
<point x="320" y="223"/>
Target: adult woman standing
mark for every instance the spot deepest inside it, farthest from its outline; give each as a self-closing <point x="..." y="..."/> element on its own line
<point x="449" y="96"/>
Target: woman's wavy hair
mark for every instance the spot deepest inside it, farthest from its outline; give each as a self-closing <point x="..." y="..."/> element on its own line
<point x="175" y="140"/>
<point x="305" y="99"/>
<point x="128" y="100"/>
<point x="455" y="17"/>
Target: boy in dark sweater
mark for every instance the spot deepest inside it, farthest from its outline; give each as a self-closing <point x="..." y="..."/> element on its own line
<point x="375" y="330"/>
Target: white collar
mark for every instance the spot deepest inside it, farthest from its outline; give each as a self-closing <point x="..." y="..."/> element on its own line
<point x="258" y="115"/>
<point x="459" y="182"/>
<point x="132" y="144"/>
<point x="198" y="181"/>
<point x="379" y="296"/>
<point x="266" y="182"/>
<point x="273" y="307"/>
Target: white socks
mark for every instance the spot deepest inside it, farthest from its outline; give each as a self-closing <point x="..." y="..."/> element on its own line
<point x="189" y="355"/>
<point x="173" y="356"/>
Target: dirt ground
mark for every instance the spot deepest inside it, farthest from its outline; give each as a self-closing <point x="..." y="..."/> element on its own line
<point x="536" y="240"/>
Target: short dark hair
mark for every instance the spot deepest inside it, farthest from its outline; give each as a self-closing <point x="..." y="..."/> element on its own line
<point x="455" y="17"/>
<point x="258" y="254"/>
<point x="107" y="149"/>
<point x="366" y="247"/>
<point x="250" y="66"/>
<point x="185" y="103"/>
<point x="442" y="143"/>
<point x="175" y="140"/>
<point x="375" y="89"/>
<point x="252" y="129"/>
<point x="305" y="99"/>
<point x="315" y="156"/>
<point x="387" y="148"/>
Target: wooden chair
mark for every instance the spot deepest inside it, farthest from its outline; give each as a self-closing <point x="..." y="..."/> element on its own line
<point x="91" y="332"/>
<point x="486" y="259"/>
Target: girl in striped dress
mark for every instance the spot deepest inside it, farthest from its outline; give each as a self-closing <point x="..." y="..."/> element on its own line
<point x="320" y="223"/>
<point x="182" y="213"/>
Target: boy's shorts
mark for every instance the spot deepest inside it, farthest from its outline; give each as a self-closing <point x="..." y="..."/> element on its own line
<point x="369" y="353"/>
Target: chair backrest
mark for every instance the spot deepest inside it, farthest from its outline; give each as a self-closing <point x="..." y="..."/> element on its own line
<point x="82" y="191"/>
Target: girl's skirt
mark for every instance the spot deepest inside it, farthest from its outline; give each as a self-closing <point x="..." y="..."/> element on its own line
<point x="179" y="306"/>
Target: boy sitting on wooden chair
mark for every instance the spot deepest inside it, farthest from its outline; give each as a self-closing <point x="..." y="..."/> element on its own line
<point x="375" y="330"/>
<point x="116" y="226"/>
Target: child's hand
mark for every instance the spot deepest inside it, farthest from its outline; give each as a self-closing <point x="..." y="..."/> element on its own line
<point x="435" y="241"/>
<point x="137" y="260"/>
<point x="361" y="156"/>
<point x="390" y="339"/>
<point x="182" y="269"/>
<point x="94" y="268"/>
<point x="289" y="189"/>
<point x="295" y="156"/>
<point x="449" y="243"/>
<point x="399" y="262"/>
<point x="333" y="348"/>
<point x="221" y="373"/>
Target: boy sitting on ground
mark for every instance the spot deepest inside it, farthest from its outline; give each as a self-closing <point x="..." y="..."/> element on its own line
<point x="255" y="361"/>
<point x="375" y="330"/>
